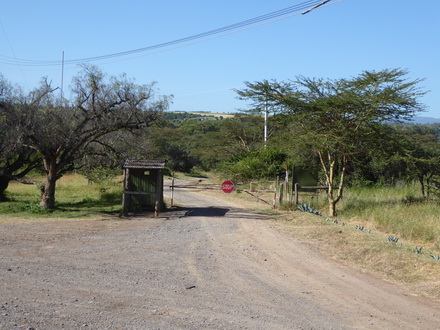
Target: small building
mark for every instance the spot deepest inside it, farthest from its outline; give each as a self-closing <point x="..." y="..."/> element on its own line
<point x="143" y="186"/>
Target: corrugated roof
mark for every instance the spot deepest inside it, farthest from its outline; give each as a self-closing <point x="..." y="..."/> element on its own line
<point x="149" y="164"/>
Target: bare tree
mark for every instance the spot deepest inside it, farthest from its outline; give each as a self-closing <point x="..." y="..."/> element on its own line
<point x="62" y="131"/>
<point x="16" y="160"/>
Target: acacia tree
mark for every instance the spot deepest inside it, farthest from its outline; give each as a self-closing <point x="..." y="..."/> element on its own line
<point x="63" y="131"/>
<point x="420" y="152"/>
<point x="343" y="118"/>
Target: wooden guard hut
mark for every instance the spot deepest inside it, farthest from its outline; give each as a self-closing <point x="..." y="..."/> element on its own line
<point x="143" y="186"/>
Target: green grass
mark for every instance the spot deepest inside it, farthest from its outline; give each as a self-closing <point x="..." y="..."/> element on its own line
<point x="75" y="198"/>
<point x="399" y="211"/>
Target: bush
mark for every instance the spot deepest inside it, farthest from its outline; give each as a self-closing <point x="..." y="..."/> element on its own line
<point x="260" y="164"/>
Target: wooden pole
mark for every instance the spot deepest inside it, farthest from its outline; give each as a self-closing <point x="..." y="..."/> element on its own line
<point x="172" y="191"/>
<point x="281" y="193"/>
<point x="125" y="197"/>
<point x="158" y="194"/>
<point x="287" y="185"/>
<point x="296" y="194"/>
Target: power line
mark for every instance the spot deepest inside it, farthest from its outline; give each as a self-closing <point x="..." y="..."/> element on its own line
<point x="307" y="5"/>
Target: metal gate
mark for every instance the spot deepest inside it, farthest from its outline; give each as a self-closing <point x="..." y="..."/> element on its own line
<point x="225" y="187"/>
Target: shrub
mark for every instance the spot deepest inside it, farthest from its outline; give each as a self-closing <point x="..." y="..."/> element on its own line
<point x="260" y="164"/>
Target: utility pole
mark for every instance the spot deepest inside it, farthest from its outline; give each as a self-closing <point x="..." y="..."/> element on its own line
<point x="265" y="123"/>
<point x="62" y="76"/>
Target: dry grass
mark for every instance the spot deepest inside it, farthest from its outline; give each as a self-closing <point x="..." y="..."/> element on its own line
<point x="368" y="252"/>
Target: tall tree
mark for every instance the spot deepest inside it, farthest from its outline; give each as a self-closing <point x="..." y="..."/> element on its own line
<point x="63" y="131"/>
<point x="343" y="118"/>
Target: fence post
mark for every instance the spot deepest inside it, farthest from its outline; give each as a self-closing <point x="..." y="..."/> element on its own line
<point x="286" y="180"/>
<point x="296" y="194"/>
<point x="125" y="197"/>
<point x="281" y="193"/>
<point x="172" y="191"/>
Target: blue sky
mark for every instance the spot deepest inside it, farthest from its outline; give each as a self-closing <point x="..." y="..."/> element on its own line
<point x="336" y="41"/>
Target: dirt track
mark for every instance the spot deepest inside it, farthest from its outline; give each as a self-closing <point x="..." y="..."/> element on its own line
<point x="208" y="265"/>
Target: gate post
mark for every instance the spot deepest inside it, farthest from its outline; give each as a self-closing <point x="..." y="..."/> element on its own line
<point x="172" y="191"/>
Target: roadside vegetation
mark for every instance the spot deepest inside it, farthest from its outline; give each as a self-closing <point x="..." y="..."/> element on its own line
<point x="77" y="198"/>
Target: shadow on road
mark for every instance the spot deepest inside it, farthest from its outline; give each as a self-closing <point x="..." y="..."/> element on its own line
<point x="211" y="211"/>
<point x="206" y="212"/>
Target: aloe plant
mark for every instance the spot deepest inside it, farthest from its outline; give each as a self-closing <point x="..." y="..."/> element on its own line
<point x="393" y="239"/>
<point x="418" y="250"/>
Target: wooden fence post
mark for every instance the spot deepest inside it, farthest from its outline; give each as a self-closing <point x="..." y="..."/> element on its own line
<point x="172" y="191"/>
<point x="125" y="197"/>
<point x="158" y="201"/>
<point x="296" y="194"/>
<point x="281" y="193"/>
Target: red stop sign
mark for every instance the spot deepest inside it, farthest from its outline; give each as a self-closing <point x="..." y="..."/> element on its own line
<point x="228" y="186"/>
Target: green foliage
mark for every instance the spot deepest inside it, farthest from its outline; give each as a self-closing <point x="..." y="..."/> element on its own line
<point x="340" y="119"/>
<point x="179" y="117"/>
<point x="179" y="158"/>
<point x="35" y="208"/>
<point x="100" y="174"/>
<point x="199" y="126"/>
<point x="259" y="164"/>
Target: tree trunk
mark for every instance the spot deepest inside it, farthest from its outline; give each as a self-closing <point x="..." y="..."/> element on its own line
<point x="421" y="178"/>
<point x="329" y="165"/>
<point x="4" y="182"/>
<point x="428" y="184"/>
<point x="47" y="199"/>
<point x="331" y="202"/>
<point x="332" y="208"/>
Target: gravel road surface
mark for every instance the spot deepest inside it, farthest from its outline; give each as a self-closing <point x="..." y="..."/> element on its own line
<point x="208" y="265"/>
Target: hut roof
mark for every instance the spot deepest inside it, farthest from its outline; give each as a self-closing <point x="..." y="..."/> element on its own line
<point x="148" y="164"/>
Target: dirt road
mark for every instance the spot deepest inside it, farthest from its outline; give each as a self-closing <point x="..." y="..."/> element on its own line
<point x="209" y="265"/>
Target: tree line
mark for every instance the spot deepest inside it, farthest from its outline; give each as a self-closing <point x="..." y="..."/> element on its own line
<point x="348" y="131"/>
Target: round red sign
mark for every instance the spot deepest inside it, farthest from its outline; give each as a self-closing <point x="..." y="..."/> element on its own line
<point x="228" y="186"/>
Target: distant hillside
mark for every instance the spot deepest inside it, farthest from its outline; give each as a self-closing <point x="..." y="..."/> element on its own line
<point x="173" y="115"/>
<point x="424" y="120"/>
<point x="183" y="115"/>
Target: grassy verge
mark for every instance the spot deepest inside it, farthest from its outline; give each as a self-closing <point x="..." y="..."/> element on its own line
<point x="75" y="198"/>
<point x="400" y="212"/>
<point x="368" y="251"/>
